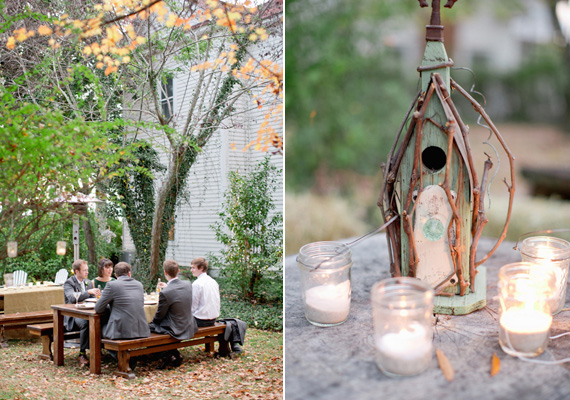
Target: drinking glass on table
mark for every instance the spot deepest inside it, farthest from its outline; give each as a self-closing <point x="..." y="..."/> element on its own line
<point x="76" y="294"/>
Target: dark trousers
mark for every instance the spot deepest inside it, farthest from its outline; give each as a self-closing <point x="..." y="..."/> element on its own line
<point x="83" y="326"/>
<point x="204" y="322"/>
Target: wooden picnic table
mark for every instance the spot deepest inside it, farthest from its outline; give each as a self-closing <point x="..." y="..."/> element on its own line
<point x="61" y="310"/>
<point x="339" y="362"/>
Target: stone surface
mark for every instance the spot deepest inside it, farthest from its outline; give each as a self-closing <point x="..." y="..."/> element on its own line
<point x="338" y="362"/>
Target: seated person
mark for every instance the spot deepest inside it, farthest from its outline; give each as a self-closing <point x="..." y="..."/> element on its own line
<point x="79" y="283"/>
<point x="125" y="297"/>
<point x="206" y="304"/>
<point x="104" y="272"/>
<point x="205" y="294"/>
<point x="173" y="315"/>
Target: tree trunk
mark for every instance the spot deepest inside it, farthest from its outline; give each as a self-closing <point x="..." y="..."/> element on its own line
<point x="159" y="210"/>
<point x="89" y="240"/>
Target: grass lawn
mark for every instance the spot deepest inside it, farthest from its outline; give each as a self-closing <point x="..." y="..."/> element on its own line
<point x="256" y="374"/>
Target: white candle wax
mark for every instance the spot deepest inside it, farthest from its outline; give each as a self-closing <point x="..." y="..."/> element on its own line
<point x="328" y="304"/>
<point x="407" y="352"/>
<point x="524" y="330"/>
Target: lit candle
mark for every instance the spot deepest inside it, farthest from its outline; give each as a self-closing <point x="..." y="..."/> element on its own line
<point x="407" y="352"/>
<point x="12" y="249"/>
<point x="60" y="248"/>
<point x="524" y="293"/>
<point x="402" y="309"/>
<point x="328" y="304"/>
<point x="524" y="330"/>
<point x="552" y="253"/>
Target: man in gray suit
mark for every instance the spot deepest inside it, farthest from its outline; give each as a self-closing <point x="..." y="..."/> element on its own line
<point x="125" y="297"/>
<point x="174" y="313"/>
<point x="79" y="283"/>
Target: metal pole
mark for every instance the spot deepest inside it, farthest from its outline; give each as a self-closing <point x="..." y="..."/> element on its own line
<point x="75" y="237"/>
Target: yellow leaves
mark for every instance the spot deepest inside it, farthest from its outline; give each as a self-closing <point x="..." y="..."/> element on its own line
<point x="11" y="43"/>
<point x="53" y="44"/>
<point x="495" y="365"/>
<point x="44" y="30"/>
<point x="114" y="35"/>
<point x="261" y="33"/>
<point x="87" y="50"/>
<point x="109" y="70"/>
<point x="79" y="24"/>
<point x="21" y="34"/>
<point x="203" y="66"/>
<point x="444" y="365"/>
<point x="131" y="31"/>
<point x="140" y="40"/>
<point x="171" y="21"/>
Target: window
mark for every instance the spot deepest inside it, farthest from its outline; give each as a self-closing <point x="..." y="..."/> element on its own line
<point x="167" y="97"/>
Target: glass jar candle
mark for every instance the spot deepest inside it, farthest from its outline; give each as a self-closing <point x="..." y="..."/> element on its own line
<point x="525" y="315"/>
<point x="325" y="282"/>
<point x="550" y="252"/>
<point x="12" y="248"/>
<point x="60" y="247"/>
<point x="402" y="309"/>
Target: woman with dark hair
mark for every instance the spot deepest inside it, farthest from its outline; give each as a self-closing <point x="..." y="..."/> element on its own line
<point x="104" y="272"/>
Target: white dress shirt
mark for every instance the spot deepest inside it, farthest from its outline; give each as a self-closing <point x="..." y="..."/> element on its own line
<point x="205" y="297"/>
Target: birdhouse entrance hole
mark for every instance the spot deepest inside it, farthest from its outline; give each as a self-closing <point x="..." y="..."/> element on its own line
<point x="434" y="158"/>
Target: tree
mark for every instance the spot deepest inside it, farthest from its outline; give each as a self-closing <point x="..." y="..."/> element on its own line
<point x="140" y="46"/>
<point x="250" y="230"/>
<point x="44" y="156"/>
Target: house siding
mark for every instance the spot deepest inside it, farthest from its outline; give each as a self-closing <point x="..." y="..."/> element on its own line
<point x="202" y="197"/>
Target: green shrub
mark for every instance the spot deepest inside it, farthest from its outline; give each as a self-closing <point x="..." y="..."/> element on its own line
<point x="267" y="316"/>
<point x="251" y="233"/>
<point x="37" y="269"/>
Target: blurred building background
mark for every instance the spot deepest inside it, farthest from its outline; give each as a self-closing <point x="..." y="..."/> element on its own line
<point x="351" y="75"/>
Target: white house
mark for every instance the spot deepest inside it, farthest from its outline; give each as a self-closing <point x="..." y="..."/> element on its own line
<point x="192" y="236"/>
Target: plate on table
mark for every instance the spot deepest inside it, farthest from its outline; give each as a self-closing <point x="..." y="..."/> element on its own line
<point x="86" y="305"/>
<point x="90" y="300"/>
<point x="150" y="302"/>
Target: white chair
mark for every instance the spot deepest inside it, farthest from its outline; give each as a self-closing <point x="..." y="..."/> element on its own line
<point x="61" y="276"/>
<point x="20" y="277"/>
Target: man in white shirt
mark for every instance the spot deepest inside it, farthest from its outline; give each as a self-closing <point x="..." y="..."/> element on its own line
<point x="205" y="294"/>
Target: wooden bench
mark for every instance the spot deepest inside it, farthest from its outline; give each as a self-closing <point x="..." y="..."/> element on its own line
<point x="21" y="320"/>
<point x="45" y="332"/>
<point x="160" y="342"/>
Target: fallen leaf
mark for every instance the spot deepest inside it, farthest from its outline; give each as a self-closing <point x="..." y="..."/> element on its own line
<point x="444" y="365"/>
<point x="495" y="365"/>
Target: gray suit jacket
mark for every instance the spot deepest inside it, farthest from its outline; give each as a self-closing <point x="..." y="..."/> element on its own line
<point x="127" y="320"/>
<point x="174" y="313"/>
<point x="70" y="286"/>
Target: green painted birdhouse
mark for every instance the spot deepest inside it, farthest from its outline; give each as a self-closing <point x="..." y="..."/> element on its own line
<point x="431" y="184"/>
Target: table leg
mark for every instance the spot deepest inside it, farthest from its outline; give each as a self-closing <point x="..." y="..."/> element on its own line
<point x="95" y="344"/>
<point x="57" y="337"/>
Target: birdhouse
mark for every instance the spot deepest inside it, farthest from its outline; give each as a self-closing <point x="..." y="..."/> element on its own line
<point x="431" y="185"/>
